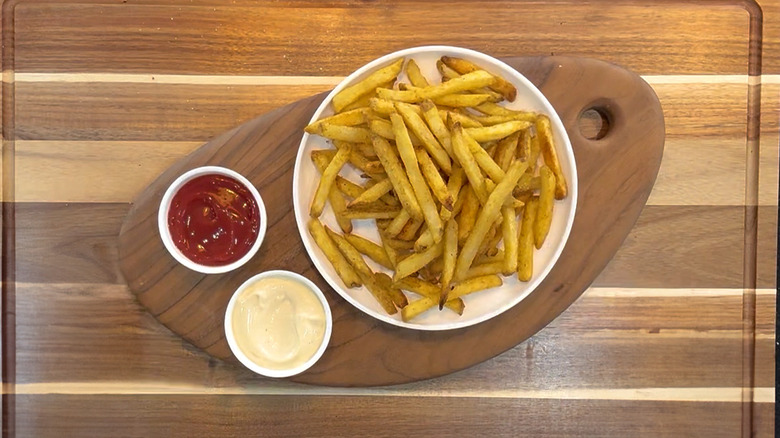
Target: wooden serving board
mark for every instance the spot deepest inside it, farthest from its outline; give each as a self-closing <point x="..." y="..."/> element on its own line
<point x="616" y="175"/>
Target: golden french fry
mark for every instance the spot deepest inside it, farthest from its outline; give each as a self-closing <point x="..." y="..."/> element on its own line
<point x="421" y="191"/>
<point x="432" y="291"/>
<point x="500" y="85"/>
<point x="373" y="210"/>
<point x="496" y="132"/>
<point x="468" y="214"/>
<point x="483" y="159"/>
<point x="466" y="160"/>
<point x="497" y="119"/>
<point x="466" y="82"/>
<point x="486" y="259"/>
<point x="487" y="216"/>
<point x="415" y="76"/>
<point x="366" y="274"/>
<point x="433" y="119"/>
<point x="509" y="234"/>
<point x="398" y="297"/>
<point x="326" y="181"/>
<point x="435" y="181"/>
<point x="489" y="241"/>
<point x="395" y="172"/>
<point x="492" y="109"/>
<point x="525" y="243"/>
<point x="343" y="269"/>
<point x="533" y="158"/>
<point x="409" y="231"/>
<point x="546" y="201"/>
<point x="490" y="268"/>
<point x="348" y="118"/>
<point x="544" y="132"/>
<point x="471" y="285"/>
<point x="339" y="206"/>
<point x="373" y="193"/>
<point x="420" y="129"/>
<point x="375" y="252"/>
<point x="367" y="85"/>
<point x="506" y="150"/>
<point x="365" y="149"/>
<point x="461" y="100"/>
<point x="449" y="256"/>
<point x="416" y="261"/>
<point x="351" y="134"/>
<point x="465" y="120"/>
<point x="523" y="151"/>
<point x="386" y="107"/>
<point x="398" y="223"/>
<point x="391" y="252"/>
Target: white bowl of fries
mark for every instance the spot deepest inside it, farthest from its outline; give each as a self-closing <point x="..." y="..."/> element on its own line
<point x="435" y="188"/>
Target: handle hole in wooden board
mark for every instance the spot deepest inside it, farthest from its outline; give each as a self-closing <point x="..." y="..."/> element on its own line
<point x="594" y="123"/>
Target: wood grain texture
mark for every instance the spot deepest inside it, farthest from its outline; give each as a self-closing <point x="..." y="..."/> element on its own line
<point x="624" y="163"/>
<point x="295" y="416"/>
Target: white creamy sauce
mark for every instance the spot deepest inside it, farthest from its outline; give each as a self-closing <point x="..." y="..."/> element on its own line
<point x="278" y="323"/>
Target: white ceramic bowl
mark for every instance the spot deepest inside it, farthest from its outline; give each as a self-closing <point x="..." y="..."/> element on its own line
<point x="479" y="306"/>
<point x="165" y="233"/>
<point x="267" y="371"/>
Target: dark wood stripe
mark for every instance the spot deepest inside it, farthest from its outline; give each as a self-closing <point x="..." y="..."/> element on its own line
<point x="669" y="247"/>
<point x="261" y="39"/>
<point x="179" y="112"/>
<point x="298" y="416"/>
<point x="73" y="333"/>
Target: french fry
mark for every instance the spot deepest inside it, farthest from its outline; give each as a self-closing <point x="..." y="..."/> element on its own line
<point x="464" y="119"/>
<point x="416" y="261"/>
<point x="471" y="285"/>
<point x="483" y="159"/>
<point x="366" y="275"/>
<point x="373" y="193"/>
<point x="367" y="85"/>
<point x="343" y="269"/>
<point x="397" y="224"/>
<point x="448" y="73"/>
<point x="490" y="268"/>
<point x="468" y="215"/>
<point x="429" y="290"/>
<point x="468" y="163"/>
<point x="525" y="243"/>
<point x="353" y="134"/>
<point x="461" y="100"/>
<point x="509" y="234"/>
<point x="409" y="231"/>
<point x="339" y="206"/>
<point x="398" y="297"/>
<point x="466" y="82"/>
<point x="506" y="150"/>
<point x="397" y="175"/>
<point x="449" y="256"/>
<point x="545" y="210"/>
<point x="487" y="216"/>
<point x="375" y="252"/>
<point x="544" y="132"/>
<point x="386" y="107"/>
<point x="421" y="191"/>
<point x="500" y="85"/>
<point x="496" y="132"/>
<point x="492" y="109"/>
<point x="497" y="119"/>
<point x="420" y="129"/>
<point x="374" y="210"/>
<point x="326" y="181"/>
<point x="435" y="181"/>
<point x="433" y="119"/>
<point x="415" y="76"/>
<point x="391" y="252"/>
<point x="523" y="150"/>
<point x="347" y="118"/>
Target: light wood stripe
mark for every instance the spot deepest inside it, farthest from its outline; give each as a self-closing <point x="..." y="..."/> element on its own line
<point x="714" y="394"/>
<point x="147" y="78"/>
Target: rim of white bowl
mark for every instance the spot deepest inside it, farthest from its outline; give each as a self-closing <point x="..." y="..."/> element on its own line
<point x="165" y="232"/>
<point x="557" y="125"/>
<point x="267" y="371"/>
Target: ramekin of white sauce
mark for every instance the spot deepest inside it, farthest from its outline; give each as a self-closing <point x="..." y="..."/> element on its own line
<point x="278" y="323"/>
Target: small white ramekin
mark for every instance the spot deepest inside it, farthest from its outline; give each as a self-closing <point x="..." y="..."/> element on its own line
<point x="165" y="232"/>
<point x="229" y="335"/>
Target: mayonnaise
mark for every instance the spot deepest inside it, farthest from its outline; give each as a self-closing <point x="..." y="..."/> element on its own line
<point x="278" y="323"/>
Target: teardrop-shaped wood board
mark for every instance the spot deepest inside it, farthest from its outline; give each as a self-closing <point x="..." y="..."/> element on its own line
<point x="616" y="174"/>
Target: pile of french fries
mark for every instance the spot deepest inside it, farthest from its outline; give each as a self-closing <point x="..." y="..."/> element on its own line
<point x="447" y="171"/>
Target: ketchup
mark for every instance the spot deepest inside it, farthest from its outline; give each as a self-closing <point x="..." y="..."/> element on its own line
<point x="214" y="220"/>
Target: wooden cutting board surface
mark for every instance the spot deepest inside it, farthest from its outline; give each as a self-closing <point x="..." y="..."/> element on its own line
<point x="616" y="174"/>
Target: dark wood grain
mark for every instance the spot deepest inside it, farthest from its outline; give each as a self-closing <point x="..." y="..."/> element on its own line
<point x="624" y="164"/>
<point x="298" y="416"/>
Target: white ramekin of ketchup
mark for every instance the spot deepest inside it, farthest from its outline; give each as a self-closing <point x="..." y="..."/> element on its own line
<point x="212" y="219"/>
